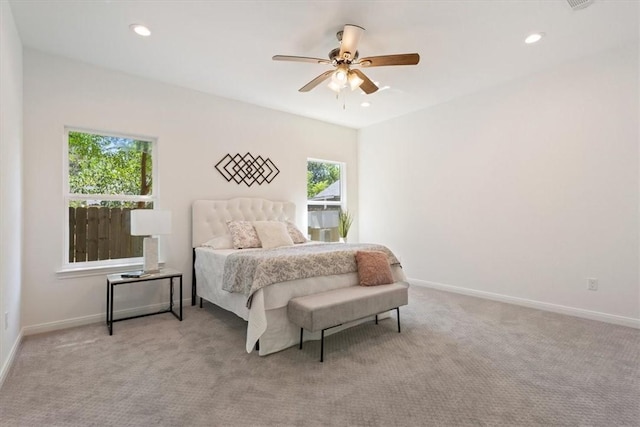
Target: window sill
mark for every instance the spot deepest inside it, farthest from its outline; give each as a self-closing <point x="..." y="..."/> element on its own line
<point x="100" y="270"/>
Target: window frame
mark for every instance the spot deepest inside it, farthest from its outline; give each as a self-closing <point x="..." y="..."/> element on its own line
<point x="343" y="186"/>
<point x="101" y="265"/>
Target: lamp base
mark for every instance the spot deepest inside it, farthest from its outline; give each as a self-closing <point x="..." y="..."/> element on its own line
<point x="150" y="253"/>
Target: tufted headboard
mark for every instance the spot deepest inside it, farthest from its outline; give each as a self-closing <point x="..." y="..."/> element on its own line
<point x="209" y="217"/>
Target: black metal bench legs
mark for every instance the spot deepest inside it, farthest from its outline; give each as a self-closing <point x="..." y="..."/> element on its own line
<point x="322" y="334"/>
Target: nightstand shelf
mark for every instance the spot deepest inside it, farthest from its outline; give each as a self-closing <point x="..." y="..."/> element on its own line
<point x="114" y="280"/>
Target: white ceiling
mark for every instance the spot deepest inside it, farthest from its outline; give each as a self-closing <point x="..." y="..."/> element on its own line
<point x="225" y="47"/>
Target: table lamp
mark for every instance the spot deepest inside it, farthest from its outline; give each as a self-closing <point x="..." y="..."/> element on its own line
<point x="150" y="222"/>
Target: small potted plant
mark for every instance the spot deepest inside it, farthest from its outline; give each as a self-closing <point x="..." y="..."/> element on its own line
<point x="345" y="219"/>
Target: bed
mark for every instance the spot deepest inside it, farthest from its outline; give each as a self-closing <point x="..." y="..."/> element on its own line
<point x="264" y="309"/>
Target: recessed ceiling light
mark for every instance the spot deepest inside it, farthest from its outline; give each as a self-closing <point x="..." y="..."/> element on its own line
<point x="365" y="104"/>
<point x="140" y="30"/>
<point x="533" y="38"/>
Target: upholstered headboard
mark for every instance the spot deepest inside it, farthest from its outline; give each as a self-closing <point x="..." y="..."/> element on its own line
<point x="209" y="217"/>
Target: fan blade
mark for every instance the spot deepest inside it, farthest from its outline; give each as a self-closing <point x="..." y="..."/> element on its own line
<point x="301" y="59"/>
<point x="367" y="85"/>
<point x="315" y="82"/>
<point x="350" y="39"/>
<point x="380" y="61"/>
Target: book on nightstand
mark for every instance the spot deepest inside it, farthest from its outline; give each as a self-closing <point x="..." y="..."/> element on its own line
<point x="134" y="274"/>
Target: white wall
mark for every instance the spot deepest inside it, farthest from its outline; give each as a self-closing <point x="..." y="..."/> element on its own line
<point x="194" y="132"/>
<point x="522" y="191"/>
<point x="10" y="185"/>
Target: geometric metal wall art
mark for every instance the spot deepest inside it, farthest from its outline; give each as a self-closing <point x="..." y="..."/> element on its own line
<point x="247" y="169"/>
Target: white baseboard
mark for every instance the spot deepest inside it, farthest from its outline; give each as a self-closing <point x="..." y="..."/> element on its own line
<point x="95" y="318"/>
<point x="571" y="311"/>
<point x="9" y="362"/>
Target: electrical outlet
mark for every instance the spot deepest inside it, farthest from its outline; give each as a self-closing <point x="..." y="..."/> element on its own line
<point x="592" y="284"/>
<point x="6" y="320"/>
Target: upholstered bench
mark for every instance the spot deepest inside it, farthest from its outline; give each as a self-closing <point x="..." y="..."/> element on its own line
<point x="326" y="310"/>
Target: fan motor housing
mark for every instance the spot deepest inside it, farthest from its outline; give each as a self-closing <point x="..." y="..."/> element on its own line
<point x="334" y="56"/>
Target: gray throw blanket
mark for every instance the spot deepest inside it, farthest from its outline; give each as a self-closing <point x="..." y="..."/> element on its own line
<point x="246" y="272"/>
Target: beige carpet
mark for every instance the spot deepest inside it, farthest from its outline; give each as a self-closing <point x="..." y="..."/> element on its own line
<point x="458" y="361"/>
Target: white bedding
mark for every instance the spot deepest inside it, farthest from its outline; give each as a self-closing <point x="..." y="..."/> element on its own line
<point x="209" y="267"/>
<point x="267" y="319"/>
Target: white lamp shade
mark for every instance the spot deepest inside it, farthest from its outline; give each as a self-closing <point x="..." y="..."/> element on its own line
<point x="150" y="222"/>
<point x="354" y="80"/>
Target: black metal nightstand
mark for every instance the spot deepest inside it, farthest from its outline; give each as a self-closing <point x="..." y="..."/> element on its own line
<point x="117" y="279"/>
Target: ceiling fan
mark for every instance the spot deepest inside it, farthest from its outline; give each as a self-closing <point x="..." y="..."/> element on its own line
<point x="345" y="57"/>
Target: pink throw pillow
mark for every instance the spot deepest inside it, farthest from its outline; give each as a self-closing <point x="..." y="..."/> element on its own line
<point x="373" y="268"/>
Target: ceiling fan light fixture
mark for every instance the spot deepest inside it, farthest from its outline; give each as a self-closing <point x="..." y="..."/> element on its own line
<point x="340" y="76"/>
<point x="346" y="55"/>
<point x="336" y="87"/>
<point x="354" y="80"/>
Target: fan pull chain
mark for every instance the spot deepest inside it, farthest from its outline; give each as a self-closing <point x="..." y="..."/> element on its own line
<point x="344" y="103"/>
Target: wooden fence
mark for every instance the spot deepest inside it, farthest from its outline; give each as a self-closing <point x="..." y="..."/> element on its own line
<point x="97" y="233"/>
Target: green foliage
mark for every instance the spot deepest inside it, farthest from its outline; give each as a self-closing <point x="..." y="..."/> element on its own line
<point x="109" y="165"/>
<point x="320" y="176"/>
<point x="314" y="188"/>
<point x="110" y="204"/>
<point x="345" y="219"/>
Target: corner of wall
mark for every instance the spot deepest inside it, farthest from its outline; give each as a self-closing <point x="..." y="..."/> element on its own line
<point x="11" y="189"/>
<point x="8" y="363"/>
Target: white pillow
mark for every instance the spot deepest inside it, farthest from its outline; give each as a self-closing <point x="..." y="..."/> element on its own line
<point x="272" y="234"/>
<point x="220" y="242"/>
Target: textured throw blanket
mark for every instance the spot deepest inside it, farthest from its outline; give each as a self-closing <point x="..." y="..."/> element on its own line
<point x="246" y="272"/>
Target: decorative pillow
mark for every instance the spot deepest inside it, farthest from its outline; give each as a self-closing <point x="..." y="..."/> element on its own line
<point x="295" y="233"/>
<point x="373" y="268"/>
<point x="273" y="234"/>
<point x="243" y="234"/>
<point x="220" y="242"/>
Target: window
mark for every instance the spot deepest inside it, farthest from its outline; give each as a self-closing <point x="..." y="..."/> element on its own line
<point x="106" y="176"/>
<point x="325" y="198"/>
